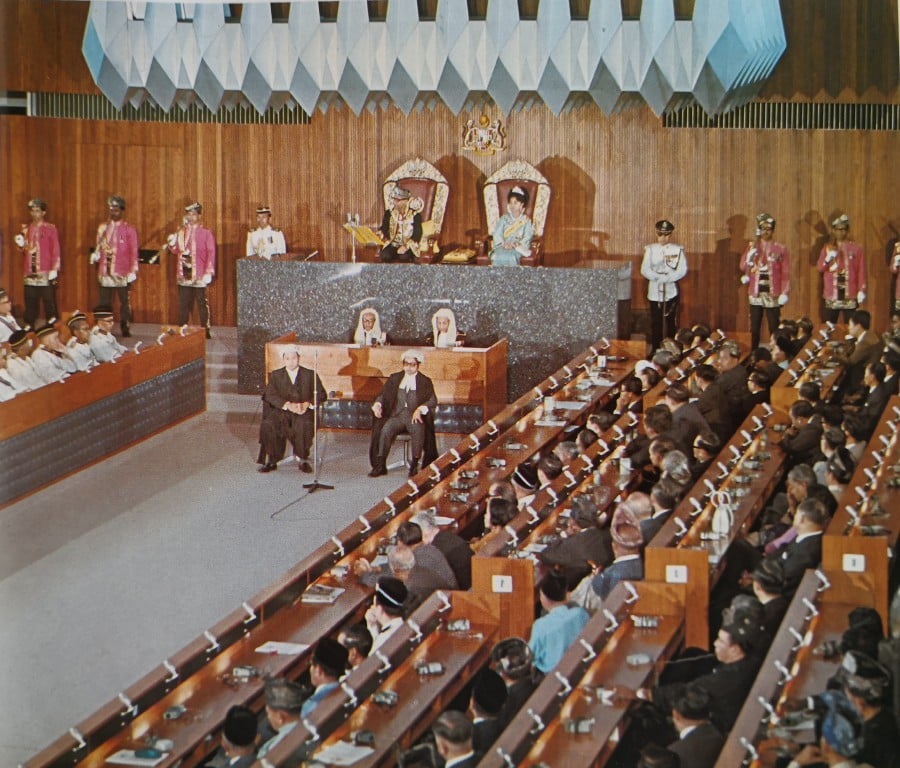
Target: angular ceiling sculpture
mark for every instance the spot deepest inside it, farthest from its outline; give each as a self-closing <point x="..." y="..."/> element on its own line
<point x="720" y="58"/>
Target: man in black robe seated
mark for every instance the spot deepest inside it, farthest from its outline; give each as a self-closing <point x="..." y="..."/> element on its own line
<point x="288" y="413"/>
<point x="406" y="404"/>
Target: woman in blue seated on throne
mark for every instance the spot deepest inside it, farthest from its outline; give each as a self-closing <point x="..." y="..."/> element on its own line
<point x="514" y="231"/>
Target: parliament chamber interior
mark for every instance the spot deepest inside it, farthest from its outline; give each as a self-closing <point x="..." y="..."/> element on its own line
<point x="450" y="383"/>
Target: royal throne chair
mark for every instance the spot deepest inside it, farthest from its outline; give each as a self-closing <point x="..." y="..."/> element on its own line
<point x="429" y="190"/>
<point x="496" y="189"/>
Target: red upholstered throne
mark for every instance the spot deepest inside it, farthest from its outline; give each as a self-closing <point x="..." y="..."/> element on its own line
<point x="429" y="191"/>
<point x="496" y="189"/>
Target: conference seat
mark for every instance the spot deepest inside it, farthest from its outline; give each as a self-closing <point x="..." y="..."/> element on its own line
<point x="517" y="173"/>
<point x="429" y="189"/>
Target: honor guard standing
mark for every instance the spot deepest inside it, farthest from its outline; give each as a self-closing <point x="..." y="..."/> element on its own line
<point x="194" y="246"/>
<point x="264" y="241"/>
<point x="767" y="274"/>
<point x="401" y="226"/>
<point x="116" y="257"/>
<point x="39" y="244"/>
<point x="843" y="267"/>
<point x="663" y="266"/>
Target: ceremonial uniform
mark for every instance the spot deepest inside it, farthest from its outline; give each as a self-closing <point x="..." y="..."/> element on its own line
<point x="21" y="371"/>
<point x="8" y="324"/>
<point x="663" y="266"/>
<point x="401" y="229"/>
<point x="116" y="257"/>
<point x="39" y="243"/>
<point x="8" y="387"/>
<point x="195" y="248"/>
<point x="105" y="346"/>
<point x="518" y="231"/>
<point x="81" y="354"/>
<point x="767" y="274"/>
<point x="266" y="242"/>
<point x="51" y="365"/>
<point x="843" y="267"/>
<point x="279" y="425"/>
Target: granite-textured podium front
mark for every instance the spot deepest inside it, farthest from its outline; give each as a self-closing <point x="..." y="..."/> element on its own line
<point x="548" y="315"/>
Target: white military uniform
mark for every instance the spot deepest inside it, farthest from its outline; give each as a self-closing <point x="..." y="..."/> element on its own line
<point x="105" y="346"/>
<point x="50" y="366"/>
<point x="266" y="243"/>
<point x="8" y="326"/>
<point x="82" y="354"/>
<point x="21" y="370"/>
<point x="9" y="387"/>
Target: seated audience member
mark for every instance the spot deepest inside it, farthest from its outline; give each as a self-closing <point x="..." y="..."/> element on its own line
<point x="660" y="447"/>
<point x="758" y="390"/>
<point x="728" y="684"/>
<point x="706" y="447"/>
<point x="498" y="513"/>
<point x="768" y="587"/>
<point x="685" y="338"/>
<point x="558" y="627"/>
<point x="841" y="735"/>
<point x="832" y="416"/>
<point x="357" y="639"/>
<point x="444" y="334"/>
<point x="801" y="439"/>
<point x="368" y="331"/>
<point x="676" y="473"/>
<point x="427" y="555"/>
<point x="289" y="413"/>
<point x="485" y="707"/>
<point x="387" y="612"/>
<point x="79" y="346"/>
<point x="513" y="232"/>
<point x="406" y="404"/>
<point x="421" y="582"/>
<point x="19" y="365"/>
<point x="598" y="423"/>
<point x="732" y="381"/>
<point x="548" y="469"/>
<point x="104" y="345"/>
<point x="453" y="737"/>
<point x="838" y="471"/>
<point x="699" y="742"/>
<point x="805" y="551"/>
<point x="760" y="360"/>
<point x="664" y="360"/>
<point x="8" y="323"/>
<point x="687" y="421"/>
<point x="866" y="349"/>
<point x="811" y="391"/>
<point x="525" y="482"/>
<point x="51" y="359"/>
<point x="513" y="660"/>
<point x="328" y="664"/>
<point x="585" y="439"/>
<point x="876" y="396"/>
<point x="505" y="489"/>
<point x="8" y="388"/>
<point x="832" y="439"/>
<point x="782" y="349"/>
<point x="655" y="756"/>
<point x="453" y="546"/>
<point x="239" y="737"/>
<point x="891" y="362"/>
<point x="711" y="400"/>
<point x="664" y="504"/>
<point x="647" y="373"/>
<point x="657" y="423"/>
<point x="867" y="685"/>
<point x="630" y="399"/>
<point x="566" y="451"/>
<point x="701" y="333"/>
<point x="585" y="546"/>
<point x="284" y="700"/>
<point x="854" y="427"/>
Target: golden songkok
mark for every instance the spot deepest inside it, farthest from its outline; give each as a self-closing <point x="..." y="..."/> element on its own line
<point x="37" y="202"/>
<point x="194" y="207"/>
<point x="116" y="201"/>
<point x="841" y="222"/>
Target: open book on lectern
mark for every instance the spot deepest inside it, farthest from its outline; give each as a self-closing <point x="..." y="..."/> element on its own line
<point x="365" y="235"/>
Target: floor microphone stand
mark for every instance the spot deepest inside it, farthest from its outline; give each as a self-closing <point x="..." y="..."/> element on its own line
<point x="315" y="485"/>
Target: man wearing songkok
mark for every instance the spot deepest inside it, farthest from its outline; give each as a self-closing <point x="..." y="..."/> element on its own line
<point x="766" y="265"/>
<point x="368" y="331"/>
<point x="513" y="660"/>
<point x="663" y="266"/>
<point x="453" y="737"/>
<point x="8" y="388"/>
<point x="328" y="665"/>
<point x="289" y="413"/>
<point x="104" y="345"/>
<point x="406" y="404"/>
<point x="444" y="333"/>
<point x="514" y="231"/>
<point x="79" y="346"/>
<point x="559" y="627"/>
<point x="284" y="700"/>
<point x="627" y="543"/>
<point x="19" y="365"/>
<point x="768" y="587"/>
<point x="386" y="614"/>
<point x="38" y="243"/>
<point x="841" y="739"/>
<point x="8" y="324"/>
<point x="239" y="737"/>
<point x="485" y="706"/>
<point x="843" y="267"/>
<point x="116" y="257"/>
<point x="401" y="227"/>
<point x="265" y="241"/>
<point x="194" y="248"/>
<point x="51" y="359"/>
<point x="699" y="742"/>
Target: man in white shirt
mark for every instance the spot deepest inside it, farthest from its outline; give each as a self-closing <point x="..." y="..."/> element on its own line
<point x="8" y="324"/>
<point x="51" y="359"/>
<point x="104" y="345"/>
<point x="8" y="387"/>
<point x="663" y="266"/>
<point x="265" y="241"/>
<point x="386" y="614"/>
<point x="79" y="346"/>
<point x="18" y="364"/>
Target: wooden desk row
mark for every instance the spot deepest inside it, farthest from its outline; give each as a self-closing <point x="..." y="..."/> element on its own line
<point x="193" y="670"/>
<point x="812" y="363"/>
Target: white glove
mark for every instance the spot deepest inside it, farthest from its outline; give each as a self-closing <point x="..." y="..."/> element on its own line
<point x="830" y="256"/>
<point x="19" y="240"/>
<point x="860" y="297"/>
<point x="171" y="240"/>
<point x="782" y="300"/>
<point x="52" y="275"/>
<point x="207" y="279"/>
<point x="751" y="256"/>
<point x="132" y="276"/>
<point x="745" y="280"/>
<point x="95" y="257"/>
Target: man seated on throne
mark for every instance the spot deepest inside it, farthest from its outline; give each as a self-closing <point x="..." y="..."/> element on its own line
<point x="514" y="231"/>
<point x="401" y="228"/>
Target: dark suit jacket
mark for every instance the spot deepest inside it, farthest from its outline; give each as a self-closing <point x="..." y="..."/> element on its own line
<point x="713" y="407"/>
<point x="796" y="558"/>
<point x="867" y="350"/>
<point x="875" y="403"/>
<point x="423" y="395"/>
<point x="687" y="423"/>
<point x="626" y="570"/>
<point x="485" y="733"/>
<point x="458" y="553"/>
<point x="594" y="544"/>
<point x="733" y="384"/>
<point x="802" y="446"/>
<point x="700" y="748"/>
